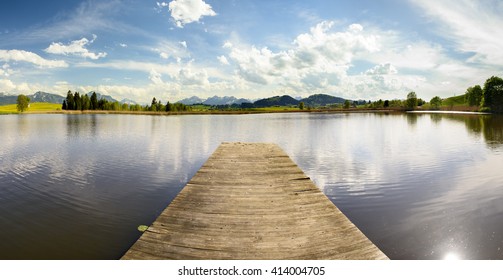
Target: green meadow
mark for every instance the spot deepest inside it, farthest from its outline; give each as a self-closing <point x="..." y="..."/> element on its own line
<point x="34" y="107"/>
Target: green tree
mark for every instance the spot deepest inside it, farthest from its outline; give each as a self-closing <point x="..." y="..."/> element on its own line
<point x="301" y="105"/>
<point x="78" y="101"/>
<point x="153" y="106"/>
<point x="102" y="104"/>
<point x="160" y="106"/>
<point x="22" y="102"/>
<point x="70" y="103"/>
<point x="115" y="106"/>
<point x="411" y="102"/>
<point x="86" y="102"/>
<point x="474" y="95"/>
<point x="94" y="101"/>
<point x="168" y="107"/>
<point x="347" y="104"/>
<point x="493" y="94"/>
<point x="435" y="102"/>
<point x="386" y="103"/>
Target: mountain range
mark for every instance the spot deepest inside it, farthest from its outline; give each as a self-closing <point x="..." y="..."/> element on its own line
<point x="38" y="96"/>
<point x="41" y="96"/>
<point x="314" y="100"/>
<point x="285" y="100"/>
<point x="213" y="101"/>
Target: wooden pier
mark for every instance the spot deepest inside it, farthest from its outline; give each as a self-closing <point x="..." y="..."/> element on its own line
<point x="251" y="201"/>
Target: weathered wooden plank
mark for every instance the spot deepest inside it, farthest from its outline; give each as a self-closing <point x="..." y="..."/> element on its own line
<point x="250" y="201"/>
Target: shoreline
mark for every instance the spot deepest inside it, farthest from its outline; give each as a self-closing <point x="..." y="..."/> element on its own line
<point x="462" y="110"/>
<point x="105" y="112"/>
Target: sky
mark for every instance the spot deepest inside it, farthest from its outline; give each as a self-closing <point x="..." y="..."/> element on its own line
<point x="250" y="48"/>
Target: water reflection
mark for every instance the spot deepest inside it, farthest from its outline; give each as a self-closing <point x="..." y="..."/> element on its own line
<point x="87" y="124"/>
<point x="488" y="126"/>
<point x="419" y="186"/>
<point x="412" y="119"/>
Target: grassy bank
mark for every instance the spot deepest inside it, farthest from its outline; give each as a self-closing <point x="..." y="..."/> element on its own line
<point x="49" y="108"/>
<point x="34" y="108"/>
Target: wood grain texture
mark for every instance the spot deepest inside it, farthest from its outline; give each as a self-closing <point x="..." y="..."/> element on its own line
<point x="251" y="201"/>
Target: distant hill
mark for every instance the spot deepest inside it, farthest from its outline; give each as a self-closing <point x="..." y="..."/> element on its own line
<point x="7" y="99"/>
<point x="191" y="100"/>
<point x="284" y="100"/>
<point x="214" y="101"/>
<point x="126" y="101"/>
<point x="322" y="100"/>
<point x="100" y="96"/>
<point x="226" y="100"/>
<point x="38" y="96"/>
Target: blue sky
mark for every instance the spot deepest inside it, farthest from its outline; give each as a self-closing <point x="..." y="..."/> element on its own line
<point x="250" y="48"/>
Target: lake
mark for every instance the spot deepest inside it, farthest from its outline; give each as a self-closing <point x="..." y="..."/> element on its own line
<point x="420" y="186"/>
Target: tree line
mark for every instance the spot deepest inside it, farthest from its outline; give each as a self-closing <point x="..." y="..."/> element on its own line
<point x="76" y="101"/>
<point x="489" y="98"/>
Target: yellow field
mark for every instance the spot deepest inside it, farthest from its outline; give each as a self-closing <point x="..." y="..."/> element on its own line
<point x="34" y="107"/>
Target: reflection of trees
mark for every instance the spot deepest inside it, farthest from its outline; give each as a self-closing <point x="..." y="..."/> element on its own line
<point x="474" y="123"/>
<point x="411" y="119"/>
<point x="493" y="131"/>
<point x="77" y="124"/>
<point x="436" y="118"/>
<point x="489" y="126"/>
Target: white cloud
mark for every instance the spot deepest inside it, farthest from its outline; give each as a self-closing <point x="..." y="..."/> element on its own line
<point x="474" y="26"/>
<point x="169" y="49"/>
<point x="319" y="59"/>
<point x="162" y="4"/>
<point x="155" y="77"/>
<point x="382" y="69"/>
<point x="123" y="45"/>
<point x="188" y="11"/>
<point x="25" y="56"/>
<point x="11" y="87"/>
<point x="227" y="45"/>
<point x="76" y="47"/>
<point x="417" y="56"/>
<point x="187" y="77"/>
<point x="6" y="70"/>
<point x="223" y="60"/>
<point x="6" y="85"/>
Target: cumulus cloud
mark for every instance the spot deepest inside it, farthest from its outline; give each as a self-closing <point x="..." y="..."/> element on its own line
<point x="77" y="47"/>
<point x="11" y="87"/>
<point x="25" y="56"/>
<point x="320" y="57"/>
<point x="187" y="77"/>
<point x="6" y="70"/>
<point x="227" y="45"/>
<point x="382" y="69"/>
<point x="223" y="60"/>
<point x="155" y="77"/>
<point x="188" y="11"/>
<point x="6" y="85"/>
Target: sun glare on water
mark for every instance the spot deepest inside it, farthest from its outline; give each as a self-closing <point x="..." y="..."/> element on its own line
<point x="451" y="256"/>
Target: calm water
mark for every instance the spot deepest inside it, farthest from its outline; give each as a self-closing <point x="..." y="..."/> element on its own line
<point x="420" y="186"/>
